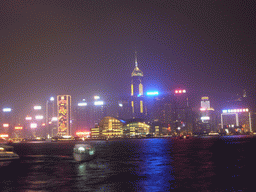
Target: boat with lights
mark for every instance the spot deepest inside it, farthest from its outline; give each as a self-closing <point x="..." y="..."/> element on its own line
<point x="7" y="155"/>
<point x="83" y="152"/>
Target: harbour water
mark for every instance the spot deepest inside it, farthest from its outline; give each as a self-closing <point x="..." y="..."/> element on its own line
<point x="157" y="164"/>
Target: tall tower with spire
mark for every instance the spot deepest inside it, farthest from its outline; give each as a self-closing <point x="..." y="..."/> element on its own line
<point x="137" y="94"/>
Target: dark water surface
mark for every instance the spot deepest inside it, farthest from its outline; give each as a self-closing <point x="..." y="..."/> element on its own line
<point x="195" y="164"/>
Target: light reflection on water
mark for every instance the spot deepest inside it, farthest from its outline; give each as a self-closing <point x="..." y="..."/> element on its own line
<point x="200" y="164"/>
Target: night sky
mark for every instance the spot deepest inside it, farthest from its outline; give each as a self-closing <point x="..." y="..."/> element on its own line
<point x="86" y="47"/>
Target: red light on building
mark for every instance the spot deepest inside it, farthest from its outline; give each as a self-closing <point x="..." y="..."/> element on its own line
<point x="180" y="91"/>
<point x="235" y="110"/>
<point x="18" y="127"/>
<point x="43" y="124"/>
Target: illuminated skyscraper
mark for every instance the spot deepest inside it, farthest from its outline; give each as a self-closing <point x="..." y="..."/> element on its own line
<point x="205" y="103"/>
<point x="64" y="114"/>
<point x="208" y="116"/>
<point x="81" y="117"/>
<point x="137" y="100"/>
<point x="87" y="115"/>
<point x="99" y="110"/>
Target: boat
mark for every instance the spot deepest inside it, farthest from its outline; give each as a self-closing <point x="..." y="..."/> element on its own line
<point x="7" y="155"/>
<point x="62" y="138"/>
<point x="83" y="152"/>
<point x="184" y="136"/>
<point x="16" y="140"/>
<point x="213" y="134"/>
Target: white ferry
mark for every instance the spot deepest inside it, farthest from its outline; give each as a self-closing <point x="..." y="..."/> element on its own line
<point x="7" y="155"/>
<point x="83" y="152"/>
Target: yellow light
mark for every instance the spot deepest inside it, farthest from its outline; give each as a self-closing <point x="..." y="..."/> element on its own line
<point x="18" y="127"/>
<point x="140" y="89"/>
<point x="132" y="107"/>
<point x="141" y="106"/>
<point x="131" y="89"/>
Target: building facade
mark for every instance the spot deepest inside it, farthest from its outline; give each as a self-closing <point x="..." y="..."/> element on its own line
<point x="87" y="115"/>
<point x="109" y="127"/>
<point x="136" y="128"/>
<point x="64" y="114"/>
<point x="208" y="116"/>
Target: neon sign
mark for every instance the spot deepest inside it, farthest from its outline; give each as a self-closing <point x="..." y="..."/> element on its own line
<point x="205" y="118"/>
<point x="37" y="107"/>
<point x="7" y="109"/>
<point x="82" y="133"/>
<point x="28" y="118"/>
<point x="62" y="115"/>
<point x="82" y="104"/>
<point x="153" y="93"/>
<point x="54" y="118"/>
<point x="5" y="125"/>
<point x="18" y="127"/>
<point x="98" y="103"/>
<point x="235" y="110"/>
<point x="38" y="117"/>
<point x="4" y="135"/>
<point x="33" y="125"/>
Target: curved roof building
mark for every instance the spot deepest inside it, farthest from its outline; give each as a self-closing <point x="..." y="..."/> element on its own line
<point x="111" y="127"/>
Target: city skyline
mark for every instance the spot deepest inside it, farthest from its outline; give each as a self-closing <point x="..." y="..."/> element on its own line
<point x="87" y="48"/>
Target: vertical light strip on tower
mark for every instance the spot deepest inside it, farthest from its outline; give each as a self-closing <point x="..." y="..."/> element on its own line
<point x="141" y="106"/>
<point x="132" y="106"/>
<point x="131" y="89"/>
<point x="140" y="89"/>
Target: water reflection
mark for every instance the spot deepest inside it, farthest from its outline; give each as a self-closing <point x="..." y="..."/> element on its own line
<point x="197" y="164"/>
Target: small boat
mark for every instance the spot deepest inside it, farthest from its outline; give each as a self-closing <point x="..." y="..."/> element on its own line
<point x="213" y="134"/>
<point x="16" y="140"/>
<point x="184" y="137"/>
<point x="7" y="155"/>
<point x="83" y="152"/>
